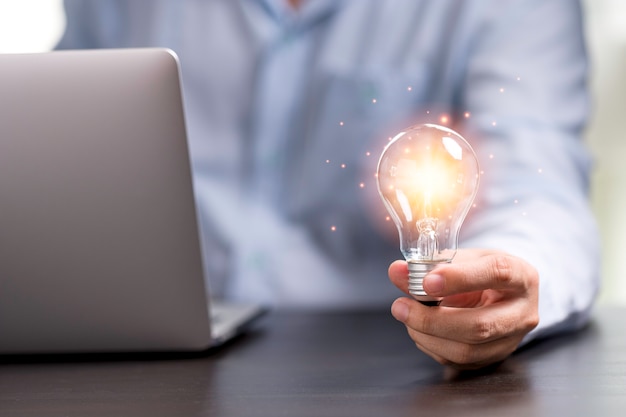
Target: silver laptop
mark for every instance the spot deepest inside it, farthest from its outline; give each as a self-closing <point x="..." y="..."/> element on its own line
<point x="99" y="241"/>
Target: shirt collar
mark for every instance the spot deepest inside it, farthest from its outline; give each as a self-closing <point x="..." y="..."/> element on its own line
<point x="309" y="12"/>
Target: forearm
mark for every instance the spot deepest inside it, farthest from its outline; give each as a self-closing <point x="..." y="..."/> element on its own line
<point x="559" y="238"/>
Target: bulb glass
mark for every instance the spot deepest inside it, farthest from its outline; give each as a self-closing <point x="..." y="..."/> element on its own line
<point x="427" y="178"/>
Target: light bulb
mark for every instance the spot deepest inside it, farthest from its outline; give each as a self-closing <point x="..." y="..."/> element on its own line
<point x="427" y="178"/>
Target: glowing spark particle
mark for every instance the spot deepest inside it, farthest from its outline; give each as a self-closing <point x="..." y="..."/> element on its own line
<point x="502" y="90"/>
<point x="387" y="218"/>
<point x="491" y="156"/>
<point x="343" y="166"/>
<point x="333" y="228"/>
<point x="340" y="123"/>
<point x="467" y="115"/>
<point x="515" y="201"/>
<point x="427" y="111"/>
<point x="474" y="205"/>
<point x="519" y="78"/>
<point x="409" y="88"/>
<point x="368" y="153"/>
<point x="328" y="161"/>
<point x="362" y="185"/>
<point x="540" y="170"/>
<point x="374" y="101"/>
<point x="444" y="119"/>
<point x="493" y="123"/>
<point x="524" y="213"/>
<point x="482" y="172"/>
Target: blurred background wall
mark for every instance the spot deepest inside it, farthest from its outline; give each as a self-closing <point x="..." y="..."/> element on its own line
<point x="606" y="38"/>
<point x="35" y="25"/>
<point x="30" y="25"/>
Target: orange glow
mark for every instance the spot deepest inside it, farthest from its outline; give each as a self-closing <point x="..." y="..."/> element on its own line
<point x="427" y="185"/>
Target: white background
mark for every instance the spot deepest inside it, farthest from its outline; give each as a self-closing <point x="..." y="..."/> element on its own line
<point x="35" y="25"/>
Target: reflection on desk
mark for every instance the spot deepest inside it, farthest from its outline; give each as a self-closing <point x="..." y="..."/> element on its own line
<point x="336" y="364"/>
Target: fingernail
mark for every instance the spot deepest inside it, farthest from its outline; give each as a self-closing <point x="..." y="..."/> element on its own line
<point x="433" y="284"/>
<point x="400" y="311"/>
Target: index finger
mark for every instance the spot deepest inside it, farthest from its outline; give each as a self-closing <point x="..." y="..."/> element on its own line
<point x="399" y="274"/>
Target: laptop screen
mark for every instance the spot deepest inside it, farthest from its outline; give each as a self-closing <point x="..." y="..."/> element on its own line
<point x="99" y="246"/>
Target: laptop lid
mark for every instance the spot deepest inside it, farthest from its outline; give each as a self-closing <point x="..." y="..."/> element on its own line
<point x="99" y="245"/>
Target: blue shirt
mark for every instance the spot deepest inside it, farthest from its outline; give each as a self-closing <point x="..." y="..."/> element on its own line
<point x="288" y="111"/>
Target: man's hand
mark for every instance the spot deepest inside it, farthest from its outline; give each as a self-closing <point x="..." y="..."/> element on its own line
<point x="490" y="302"/>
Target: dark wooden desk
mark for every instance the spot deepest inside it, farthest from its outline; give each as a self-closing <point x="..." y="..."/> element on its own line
<point x="357" y="364"/>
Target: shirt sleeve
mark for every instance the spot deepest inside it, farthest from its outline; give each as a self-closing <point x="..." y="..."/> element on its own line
<point x="525" y="89"/>
<point x="91" y="24"/>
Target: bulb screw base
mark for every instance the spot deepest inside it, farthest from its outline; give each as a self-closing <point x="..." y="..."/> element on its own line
<point x="417" y="272"/>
